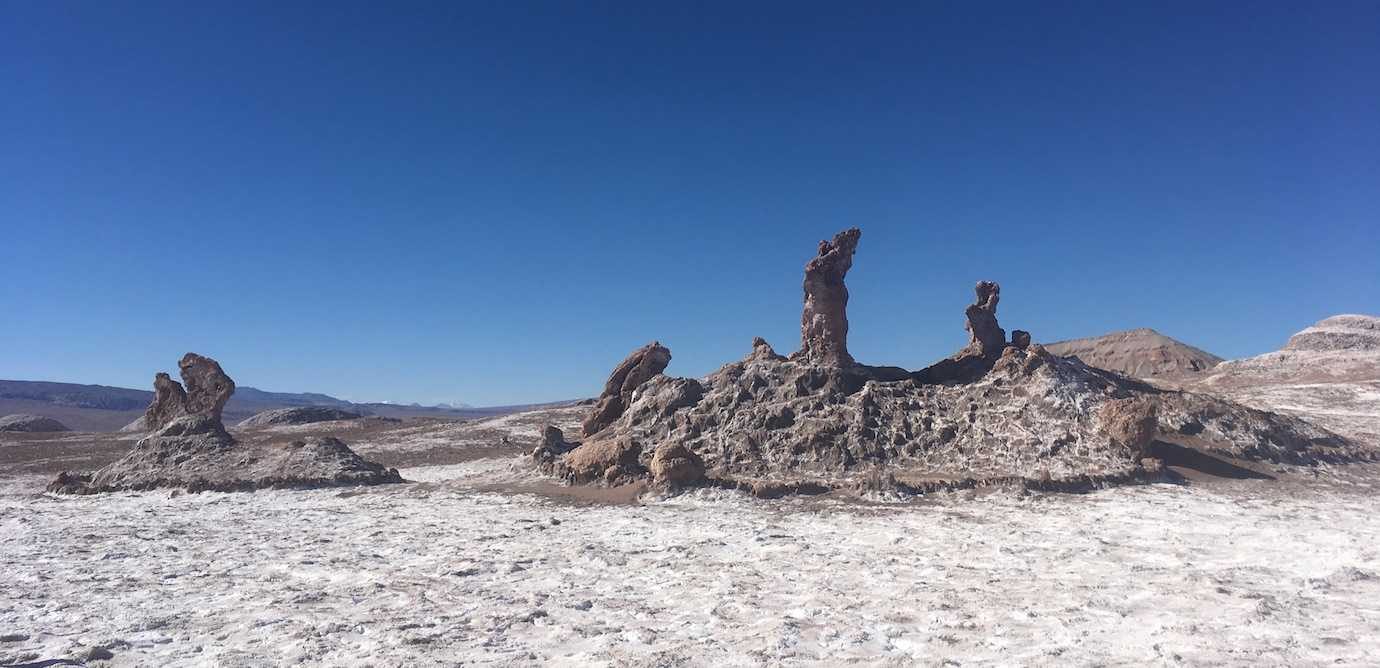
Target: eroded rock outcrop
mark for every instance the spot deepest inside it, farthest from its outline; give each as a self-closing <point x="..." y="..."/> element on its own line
<point x="204" y="389"/>
<point x="169" y="403"/>
<point x="208" y="388"/>
<point x="995" y="412"/>
<point x="986" y="338"/>
<point x="824" y="319"/>
<point x="192" y="450"/>
<point x="636" y="369"/>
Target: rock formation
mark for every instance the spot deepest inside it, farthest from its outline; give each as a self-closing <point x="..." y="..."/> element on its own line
<point x="636" y="369"/>
<point x="194" y="452"/>
<point x="169" y="403"/>
<point x="985" y="337"/>
<point x="207" y="390"/>
<point x="298" y="415"/>
<point x="993" y="413"/>
<point x="23" y="422"/>
<point x="986" y="342"/>
<point x="191" y="449"/>
<point x="824" y="319"/>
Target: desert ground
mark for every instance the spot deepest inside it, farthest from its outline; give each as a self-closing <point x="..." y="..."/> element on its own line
<point x="480" y="561"/>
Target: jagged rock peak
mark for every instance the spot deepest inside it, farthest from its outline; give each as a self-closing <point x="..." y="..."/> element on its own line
<point x="636" y="369"/>
<point x="824" y="319"/>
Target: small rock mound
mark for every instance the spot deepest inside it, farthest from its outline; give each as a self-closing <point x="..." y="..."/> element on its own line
<point x="30" y="423"/>
<point x="193" y="451"/>
<point x="298" y="415"/>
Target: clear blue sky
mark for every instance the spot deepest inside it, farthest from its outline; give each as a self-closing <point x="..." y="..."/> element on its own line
<point x="494" y="202"/>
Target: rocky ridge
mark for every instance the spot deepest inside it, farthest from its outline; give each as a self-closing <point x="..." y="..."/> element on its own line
<point x="298" y="415"/>
<point x="192" y="450"/>
<point x="996" y="411"/>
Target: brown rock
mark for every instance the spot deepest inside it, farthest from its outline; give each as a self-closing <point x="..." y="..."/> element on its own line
<point x="606" y="460"/>
<point x="636" y="369"/>
<point x="675" y="465"/>
<point x="1131" y="423"/>
<point x="1020" y="338"/>
<point x="169" y="402"/>
<point x="824" y="320"/>
<point x="208" y="388"/>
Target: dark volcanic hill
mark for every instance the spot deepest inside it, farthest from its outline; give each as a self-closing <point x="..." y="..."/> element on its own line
<point x="1139" y="353"/>
<point x="105" y="408"/>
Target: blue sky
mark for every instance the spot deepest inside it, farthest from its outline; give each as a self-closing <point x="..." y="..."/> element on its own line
<point x="495" y="202"/>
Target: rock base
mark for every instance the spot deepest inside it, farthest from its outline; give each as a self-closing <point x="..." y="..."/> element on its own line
<point x="195" y="453"/>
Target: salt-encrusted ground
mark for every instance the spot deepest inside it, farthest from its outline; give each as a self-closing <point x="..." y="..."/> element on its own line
<point x="443" y="572"/>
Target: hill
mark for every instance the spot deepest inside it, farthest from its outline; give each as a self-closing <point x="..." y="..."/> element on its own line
<point x="1328" y="372"/>
<point x="1139" y="353"/>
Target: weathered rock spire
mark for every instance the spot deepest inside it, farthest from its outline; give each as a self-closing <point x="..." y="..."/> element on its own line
<point x="824" y="320"/>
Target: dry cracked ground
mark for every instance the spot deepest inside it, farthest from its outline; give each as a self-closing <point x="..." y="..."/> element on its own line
<point x="480" y="562"/>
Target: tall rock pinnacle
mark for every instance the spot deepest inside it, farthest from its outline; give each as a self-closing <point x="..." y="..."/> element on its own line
<point x="824" y="320"/>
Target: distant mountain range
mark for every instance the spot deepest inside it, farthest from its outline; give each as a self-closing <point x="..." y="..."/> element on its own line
<point x="105" y="408"/>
